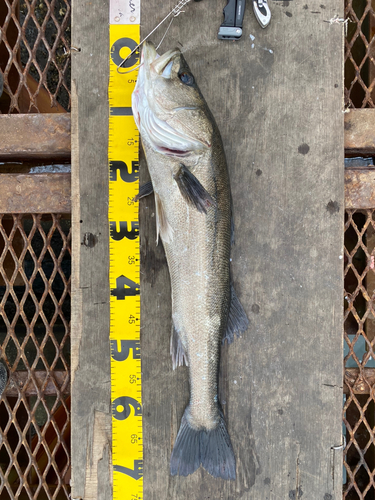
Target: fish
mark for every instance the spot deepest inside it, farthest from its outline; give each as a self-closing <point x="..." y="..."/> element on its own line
<point x="190" y="182"/>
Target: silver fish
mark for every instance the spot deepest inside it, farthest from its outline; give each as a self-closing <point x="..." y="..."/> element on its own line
<point x="190" y="181"/>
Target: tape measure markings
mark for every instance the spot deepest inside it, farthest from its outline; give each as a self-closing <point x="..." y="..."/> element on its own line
<point x="124" y="271"/>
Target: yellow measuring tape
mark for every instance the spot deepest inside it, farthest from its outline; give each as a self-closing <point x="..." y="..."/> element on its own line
<point x="124" y="274"/>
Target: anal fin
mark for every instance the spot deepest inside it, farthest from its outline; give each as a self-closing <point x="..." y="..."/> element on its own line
<point x="163" y="228"/>
<point x="192" y="190"/>
<point x="177" y="350"/>
<point x="238" y="321"/>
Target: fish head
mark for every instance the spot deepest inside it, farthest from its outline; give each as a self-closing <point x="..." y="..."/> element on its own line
<point x="168" y="107"/>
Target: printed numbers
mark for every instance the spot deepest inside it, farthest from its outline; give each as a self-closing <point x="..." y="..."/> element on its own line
<point x="132" y="260"/>
<point x="136" y="473"/>
<point x="124" y="232"/>
<point x="125" y="346"/>
<point x="125" y="288"/>
<point x="121" y="166"/>
<point x="121" y="407"/>
<point x="115" y="52"/>
<point x="126" y="407"/>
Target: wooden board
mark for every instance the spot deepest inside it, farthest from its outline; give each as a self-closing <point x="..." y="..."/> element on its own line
<point x="277" y="99"/>
<point x="91" y="417"/>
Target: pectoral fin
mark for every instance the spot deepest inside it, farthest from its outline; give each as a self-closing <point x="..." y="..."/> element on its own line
<point x="144" y="190"/>
<point x="163" y="228"/>
<point x="192" y="190"/>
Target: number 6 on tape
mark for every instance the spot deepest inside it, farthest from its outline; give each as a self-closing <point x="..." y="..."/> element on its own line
<point x="124" y="275"/>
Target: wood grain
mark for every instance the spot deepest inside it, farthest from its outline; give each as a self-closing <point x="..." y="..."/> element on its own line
<point x="277" y="100"/>
<point x="91" y="408"/>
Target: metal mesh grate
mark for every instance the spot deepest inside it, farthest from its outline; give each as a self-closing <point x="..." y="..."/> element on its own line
<point x="35" y="55"/>
<point x="360" y="54"/>
<point x="359" y="360"/>
<point x="34" y="343"/>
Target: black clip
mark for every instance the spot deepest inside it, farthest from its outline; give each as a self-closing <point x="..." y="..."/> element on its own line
<point x="231" y="29"/>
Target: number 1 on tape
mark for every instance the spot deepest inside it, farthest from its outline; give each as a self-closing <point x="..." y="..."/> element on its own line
<point x="124" y="275"/>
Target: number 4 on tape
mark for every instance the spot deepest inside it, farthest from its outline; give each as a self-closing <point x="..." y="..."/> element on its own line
<point x="125" y="288"/>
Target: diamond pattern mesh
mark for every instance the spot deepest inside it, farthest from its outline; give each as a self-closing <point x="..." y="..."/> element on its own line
<point x="359" y="357"/>
<point x="359" y="54"/>
<point x="35" y="55"/>
<point x="34" y="344"/>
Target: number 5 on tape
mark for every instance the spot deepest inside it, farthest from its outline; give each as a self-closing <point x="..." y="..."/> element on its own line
<point x="124" y="275"/>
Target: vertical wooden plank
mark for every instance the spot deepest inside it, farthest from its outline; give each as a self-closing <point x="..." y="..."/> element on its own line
<point x="277" y="98"/>
<point x="91" y="418"/>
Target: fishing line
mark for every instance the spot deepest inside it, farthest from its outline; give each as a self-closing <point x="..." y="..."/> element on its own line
<point x="176" y="11"/>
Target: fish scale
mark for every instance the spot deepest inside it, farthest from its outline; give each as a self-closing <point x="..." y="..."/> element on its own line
<point x="190" y="181"/>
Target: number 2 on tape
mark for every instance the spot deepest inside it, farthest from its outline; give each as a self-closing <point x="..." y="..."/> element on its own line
<point x="124" y="275"/>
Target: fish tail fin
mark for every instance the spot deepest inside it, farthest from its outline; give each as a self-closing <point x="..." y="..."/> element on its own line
<point x="213" y="449"/>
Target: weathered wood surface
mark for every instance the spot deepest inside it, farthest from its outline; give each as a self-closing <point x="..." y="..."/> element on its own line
<point x="91" y="417"/>
<point x="277" y="100"/>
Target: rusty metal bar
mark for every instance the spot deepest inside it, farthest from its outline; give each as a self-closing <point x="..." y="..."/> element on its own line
<point x="360" y="187"/>
<point x="35" y="251"/>
<point x="359" y="254"/>
<point x="359" y="54"/>
<point x="34" y="193"/>
<point x="359" y="384"/>
<point x="34" y="345"/>
<point x="19" y="382"/>
<point x="359" y="338"/>
<point x="35" y="56"/>
<point x="39" y="136"/>
<point x="360" y="131"/>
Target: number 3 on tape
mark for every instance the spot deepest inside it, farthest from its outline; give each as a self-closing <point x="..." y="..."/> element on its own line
<point x="124" y="275"/>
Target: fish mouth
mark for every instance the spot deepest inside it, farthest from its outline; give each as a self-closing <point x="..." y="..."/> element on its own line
<point x="163" y="137"/>
<point x="158" y="64"/>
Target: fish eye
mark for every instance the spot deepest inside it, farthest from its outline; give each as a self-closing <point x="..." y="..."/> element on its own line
<point x="186" y="78"/>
